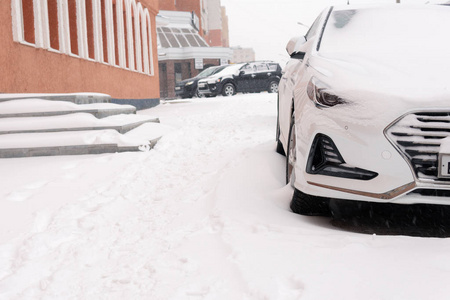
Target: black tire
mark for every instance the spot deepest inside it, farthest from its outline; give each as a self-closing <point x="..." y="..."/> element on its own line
<point x="273" y="87"/>
<point x="349" y="209"/>
<point x="198" y="94"/>
<point x="308" y="205"/>
<point x="291" y="154"/>
<point x="228" y="90"/>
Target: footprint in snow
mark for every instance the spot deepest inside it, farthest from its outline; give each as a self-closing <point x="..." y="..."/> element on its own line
<point x="19" y="196"/>
<point x="292" y="288"/>
<point x="69" y="166"/>
<point x="41" y="221"/>
<point x="22" y="195"/>
<point x="71" y="176"/>
<point x="36" y="185"/>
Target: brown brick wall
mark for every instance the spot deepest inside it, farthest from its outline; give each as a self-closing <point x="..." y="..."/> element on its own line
<point x="167" y="5"/>
<point x="25" y="69"/>
<point x="215" y="38"/>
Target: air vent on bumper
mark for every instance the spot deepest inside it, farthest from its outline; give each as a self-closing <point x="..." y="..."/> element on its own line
<point x="325" y="159"/>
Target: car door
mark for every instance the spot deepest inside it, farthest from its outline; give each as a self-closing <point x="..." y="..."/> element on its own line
<point x="260" y="81"/>
<point x="244" y="78"/>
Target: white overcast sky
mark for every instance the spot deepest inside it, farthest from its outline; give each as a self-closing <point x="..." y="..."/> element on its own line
<point x="267" y="25"/>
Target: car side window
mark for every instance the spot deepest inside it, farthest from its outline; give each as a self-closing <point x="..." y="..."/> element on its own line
<point x="261" y="67"/>
<point x="247" y="69"/>
<point x="273" y="67"/>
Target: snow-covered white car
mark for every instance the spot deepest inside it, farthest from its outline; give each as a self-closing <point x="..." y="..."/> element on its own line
<point x="364" y="107"/>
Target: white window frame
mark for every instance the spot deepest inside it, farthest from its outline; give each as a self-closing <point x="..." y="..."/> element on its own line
<point x="140" y="51"/>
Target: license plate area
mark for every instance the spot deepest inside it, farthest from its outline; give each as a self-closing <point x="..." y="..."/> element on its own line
<point x="444" y="165"/>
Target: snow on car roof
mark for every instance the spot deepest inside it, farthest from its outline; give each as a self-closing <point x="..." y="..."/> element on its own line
<point x="231" y="69"/>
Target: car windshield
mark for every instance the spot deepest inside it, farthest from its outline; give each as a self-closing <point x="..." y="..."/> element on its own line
<point x="230" y="69"/>
<point x="394" y="33"/>
<point x="209" y="71"/>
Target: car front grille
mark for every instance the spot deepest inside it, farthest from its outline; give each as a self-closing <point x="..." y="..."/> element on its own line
<point x="418" y="136"/>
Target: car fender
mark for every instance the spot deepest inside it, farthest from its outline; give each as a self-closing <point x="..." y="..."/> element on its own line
<point x="225" y="81"/>
<point x="286" y="88"/>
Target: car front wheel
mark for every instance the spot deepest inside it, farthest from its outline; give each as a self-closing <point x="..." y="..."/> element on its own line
<point x="198" y="94"/>
<point x="302" y="203"/>
<point x="228" y="90"/>
<point x="273" y="87"/>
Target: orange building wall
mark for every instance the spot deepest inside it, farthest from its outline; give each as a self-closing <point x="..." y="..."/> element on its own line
<point x="25" y="69"/>
<point x="189" y="5"/>
<point x="167" y="5"/>
<point x="215" y="38"/>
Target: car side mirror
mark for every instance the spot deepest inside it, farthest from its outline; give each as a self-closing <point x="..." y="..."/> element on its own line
<point x="241" y="73"/>
<point x="296" y="47"/>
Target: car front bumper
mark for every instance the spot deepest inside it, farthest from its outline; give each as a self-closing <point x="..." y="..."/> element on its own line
<point x="186" y="91"/>
<point x="389" y="142"/>
<point x="209" y="89"/>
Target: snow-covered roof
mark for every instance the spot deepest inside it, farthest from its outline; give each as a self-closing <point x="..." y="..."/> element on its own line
<point x="176" y="37"/>
<point x="177" y="29"/>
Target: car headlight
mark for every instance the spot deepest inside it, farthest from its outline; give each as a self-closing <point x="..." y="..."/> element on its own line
<point x="321" y="95"/>
<point x="189" y="83"/>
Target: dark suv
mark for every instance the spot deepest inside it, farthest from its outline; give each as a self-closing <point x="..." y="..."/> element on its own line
<point x="188" y="88"/>
<point x="253" y="77"/>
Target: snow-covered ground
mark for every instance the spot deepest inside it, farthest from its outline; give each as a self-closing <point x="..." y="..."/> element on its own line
<point x="204" y="215"/>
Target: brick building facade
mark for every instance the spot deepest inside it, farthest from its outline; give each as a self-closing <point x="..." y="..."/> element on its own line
<point x="57" y="46"/>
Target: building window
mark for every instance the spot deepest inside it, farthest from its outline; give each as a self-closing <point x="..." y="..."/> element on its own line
<point x="188" y="70"/>
<point x="178" y="74"/>
<point x="115" y="32"/>
<point x="28" y="21"/>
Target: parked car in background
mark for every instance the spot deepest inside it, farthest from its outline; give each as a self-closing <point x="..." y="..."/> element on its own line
<point x="188" y="87"/>
<point x="364" y="111"/>
<point x="253" y="77"/>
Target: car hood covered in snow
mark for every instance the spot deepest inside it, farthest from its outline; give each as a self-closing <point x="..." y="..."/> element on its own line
<point x="399" y="51"/>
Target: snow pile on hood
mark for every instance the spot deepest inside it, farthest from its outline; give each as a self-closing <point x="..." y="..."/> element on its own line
<point x="396" y="49"/>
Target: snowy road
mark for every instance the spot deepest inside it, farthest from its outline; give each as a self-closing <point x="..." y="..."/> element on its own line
<point x="204" y="215"/>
